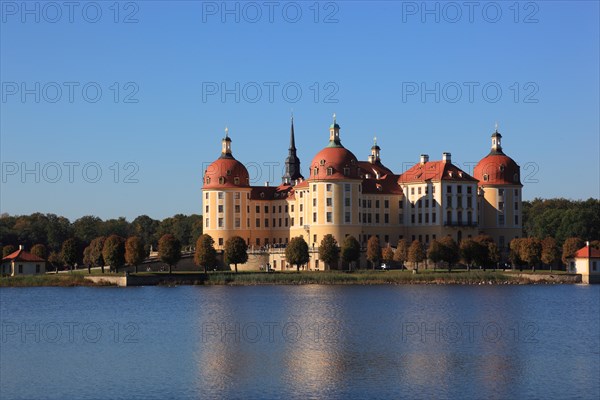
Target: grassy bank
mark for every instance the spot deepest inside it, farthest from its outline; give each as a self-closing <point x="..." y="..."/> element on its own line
<point x="61" y="280"/>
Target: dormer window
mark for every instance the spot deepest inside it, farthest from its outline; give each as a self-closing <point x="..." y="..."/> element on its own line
<point x="262" y="195"/>
<point x="502" y="168"/>
<point x="221" y="180"/>
<point x="346" y="171"/>
<point x="516" y="178"/>
<point x="208" y="181"/>
<point x="329" y="171"/>
<point x="316" y="171"/>
<point x="228" y="172"/>
<point x="322" y="162"/>
<point x="486" y="177"/>
<point x="236" y="180"/>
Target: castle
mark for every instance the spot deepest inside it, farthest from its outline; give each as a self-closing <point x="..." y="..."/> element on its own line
<point x="344" y="196"/>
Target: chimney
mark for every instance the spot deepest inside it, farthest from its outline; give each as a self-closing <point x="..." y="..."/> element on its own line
<point x="267" y="184"/>
<point x="21" y="247"/>
<point x="587" y="243"/>
<point x="424" y="158"/>
<point x="446" y="157"/>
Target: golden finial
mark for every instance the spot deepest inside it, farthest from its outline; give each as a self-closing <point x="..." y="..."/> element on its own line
<point x="226" y="131"/>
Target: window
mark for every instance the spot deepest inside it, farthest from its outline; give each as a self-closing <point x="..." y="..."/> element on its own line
<point x="220" y="196"/>
<point x="286" y="222"/>
<point x="412" y="190"/>
<point x="220" y="208"/>
<point x="469" y="202"/>
<point x="314" y="188"/>
<point x="292" y="208"/>
<point x="237" y="223"/>
<point x="37" y="268"/>
<point x="459" y="217"/>
<point x="426" y="203"/>
<point x="258" y="209"/>
<point x="501" y="219"/>
<point x="346" y="187"/>
<point x="449" y="201"/>
<point x="449" y="189"/>
<point x="221" y="180"/>
<point x="280" y="209"/>
<point x="347" y="217"/>
<point x="328" y="216"/>
<point x="266" y="209"/>
<point x="469" y="190"/>
<point x="369" y="218"/>
<point x="237" y="208"/>
<point x="469" y="217"/>
<point x="501" y="206"/>
<point x="516" y="220"/>
<point x="316" y="171"/>
<point x="258" y="222"/>
<point x="314" y="202"/>
<point x="364" y="203"/>
<point x="486" y="177"/>
<point x="314" y="217"/>
<point x="314" y="238"/>
<point x="329" y="171"/>
<point x="449" y="217"/>
<point x="220" y="222"/>
<point x="258" y="241"/>
<point x="419" y="190"/>
<point x="400" y="204"/>
<point x="236" y="181"/>
<point x="459" y="189"/>
<point x="248" y="209"/>
<point x="516" y="192"/>
<point x="248" y="226"/>
<point x="206" y="209"/>
<point x="266" y="222"/>
<point x="376" y="203"/>
<point x="301" y="220"/>
<point x="346" y="171"/>
<point x="433" y="218"/>
<point x="301" y="207"/>
<point x="376" y="218"/>
<point x="329" y="202"/>
<point x="207" y="222"/>
<point x="386" y="204"/>
<point x="347" y="201"/>
<point x="292" y="221"/>
<point x="426" y="218"/>
<point x="594" y="266"/>
<point x="220" y="241"/>
<point x="500" y="192"/>
<point x="516" y="205"/>
<point x="412" y="218"/>
<point x="328" y="187"/>
<point x="420" y="218"/>
<point x="420" y="203"/>
<point x="386" y="218"/>
<point x="206" y="195"/>
<point x="369" y="203"/>
<point x="273" y="209"/>
<point x="274" y="223"/>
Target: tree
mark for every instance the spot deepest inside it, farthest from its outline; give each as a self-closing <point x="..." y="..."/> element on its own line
<point x="134" y="252"/>
<point x="531" y="251"/>
<point x="401" y="253"/>
<point x="329" y="252"/>
<point x="450" y="251"/>
<point x="87" y="259"/>
<point x="550" y="253"/>
<point x="350" y="250"/>
<point x="113" y="252"/>
<point x="493" y="254"/>
<point x="205" y="254"/>
<point x="373" y="251"/>
<point x="40" y="251"/>
<point x="70" y="252"/>
<point x="570" y="247"/>
<point x="169" y="250"/>
<point x="416" y="254"/>
<point x="434" y="252"/>
<point x="468" y="251"/>
<point x="95" y="253"/>
<point x="388" y="255"/>
<point x="236" y="251"/>
<point x="55" y="259"/>
<point x="8" y="249"/>
<point x="296" y="252"/>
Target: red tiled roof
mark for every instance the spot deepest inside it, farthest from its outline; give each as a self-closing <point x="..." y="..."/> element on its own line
<point x="22" y="255"/>
<point x="387" y="184"/>
<point x="227" y="170"/>
<point x="500" y="169"/>
<point x="434" y="171"/>
<point x="271" y="192"/>
<point x="376" y="168"/>
<point x="587" y="252"/>
<point x="337" y="158"/>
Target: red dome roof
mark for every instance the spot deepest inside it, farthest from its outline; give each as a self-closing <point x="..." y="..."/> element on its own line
<point x="334" y="162"/>
<point x="497" y="169"/>
<point x="226" y="172"/>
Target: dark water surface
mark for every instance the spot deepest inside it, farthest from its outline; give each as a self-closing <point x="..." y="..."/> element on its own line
<point x="301" y="342"/>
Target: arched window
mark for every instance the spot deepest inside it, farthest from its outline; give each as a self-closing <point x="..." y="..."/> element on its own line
<point x="329" y="171"/>
<point x="208" y="180"/>
<point x="221" y="180"/>
<point x="516" y="178"/>
<point x="316" y="171"/>
<point x="486" y="177"/>
<point x="228" y="172"/>
<point x="236" y="180"/>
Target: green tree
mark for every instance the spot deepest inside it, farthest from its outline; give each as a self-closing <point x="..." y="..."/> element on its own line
<point x="531" y="251"/>
<point x="169" y="250"/>
<point x="550" y="253"/>
<point x="434" y="252"/>
<point x="296" y="252"/>
<point x="87" y="259"/>
<point x="55" y="259"/>
<point x="401" y="253"/>
<point x="374" y="251"/>
<point x="8" y="249"/>
<point x="570" y="247"/>
<point x="416" y="253"/>
<point x="70" y="252"/>
<point x="450" y="251"/>
<point x="87" y="228"/>
<point x="236" y="251"/>
<point x="40" y="251"/>
<point x="350" y="250"/>
<point x="205" y="254"/>
<point x="113" y="252"/>
<point x="134" y="252"/>
<point x="468" y="251"/>
<point x="515" y="252"/>
<point x="329" y="252"/>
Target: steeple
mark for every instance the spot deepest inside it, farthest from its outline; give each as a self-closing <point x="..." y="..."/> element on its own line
<point x="375" y="157"/>
<point x="496" y="142"/>
<point x="226" y="145"/>
<point x="292" y="162"/>
<point x="334" y="134"/>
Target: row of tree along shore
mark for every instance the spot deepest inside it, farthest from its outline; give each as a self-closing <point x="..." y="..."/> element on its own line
<point x="553" y="230"/>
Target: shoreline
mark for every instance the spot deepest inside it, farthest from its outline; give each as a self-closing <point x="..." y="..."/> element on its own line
<point x="427" y="277"/>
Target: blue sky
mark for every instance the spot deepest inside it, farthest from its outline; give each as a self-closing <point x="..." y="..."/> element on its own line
<point x="162" y="122"/>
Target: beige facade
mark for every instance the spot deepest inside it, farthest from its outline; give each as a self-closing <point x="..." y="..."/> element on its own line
<point x="344" y="196"/>
<point x="22" y="263"/>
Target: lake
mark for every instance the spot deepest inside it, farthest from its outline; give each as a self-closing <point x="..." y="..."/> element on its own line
<point x="301" y="342"/>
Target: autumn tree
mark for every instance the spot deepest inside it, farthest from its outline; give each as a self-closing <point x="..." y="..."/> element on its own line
<point x="236" y="251"/>
<point x="416" y="253"/>
<point x="39" y="250"/>
<point x="96" y="259"/>
<point x="134" y="252"/>
<point x="388" y="255"/>
<point x="434" y="252"/>
<point x="55" y="259"/>
<point x="205" y="254"/>
<point x="70" y="252"/>
<point x="401" y="253"/>
<point x="169" y="250"/>
<point x="113" y="252"/>
<point x="374" y="251"/>
<point x="450" y="251"/>
<point x="550" y="253"/>
<point x="468" y="252"/>
<point x="515" y="252"/>
<point x="329" y="252"/>
<point x="8" y="249"/>
<point x="350" y="250"/>
<point x="530" y="251"/>
<point x="296" y="252"/>
<point x="570" y="247"/>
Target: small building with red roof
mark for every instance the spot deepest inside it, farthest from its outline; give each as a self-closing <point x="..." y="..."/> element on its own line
<point x="22" y="262"/>
<point x="587" y="263"/>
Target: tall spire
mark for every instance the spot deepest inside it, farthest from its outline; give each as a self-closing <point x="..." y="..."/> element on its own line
<point x="292" y="162"/>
